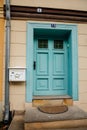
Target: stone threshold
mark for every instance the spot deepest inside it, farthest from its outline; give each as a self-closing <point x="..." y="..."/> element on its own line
<point x="51" y="97"/>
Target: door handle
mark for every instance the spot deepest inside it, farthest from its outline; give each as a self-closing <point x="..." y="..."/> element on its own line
<point x="34" y="65"/>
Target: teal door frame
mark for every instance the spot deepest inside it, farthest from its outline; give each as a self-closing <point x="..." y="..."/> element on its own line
<point x="69" y="32"/>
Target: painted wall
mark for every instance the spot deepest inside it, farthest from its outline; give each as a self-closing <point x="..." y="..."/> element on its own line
<point x="82" y="52"/>
<point x="66" y="4"/>
<point x="1" y="54"/>
<point x="1" y="3"/>
<point x="18" y="58"/>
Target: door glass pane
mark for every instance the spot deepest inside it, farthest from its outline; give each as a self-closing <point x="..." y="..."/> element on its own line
<point x="58" y="44"/>
<point x="42" y="43"/>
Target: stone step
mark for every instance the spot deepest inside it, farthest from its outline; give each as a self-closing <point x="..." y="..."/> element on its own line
<point x="18" y="124"/>
<point x="74" y="117"/>
<point x="52" y="100"/>
<point x="52" y="97"/>
<point x="56" y="125"/>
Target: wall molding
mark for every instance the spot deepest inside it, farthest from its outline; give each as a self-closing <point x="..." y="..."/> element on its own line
<point x="48" y="14"/>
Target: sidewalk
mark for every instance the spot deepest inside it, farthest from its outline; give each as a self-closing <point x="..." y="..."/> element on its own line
<point x="17" y="122"/>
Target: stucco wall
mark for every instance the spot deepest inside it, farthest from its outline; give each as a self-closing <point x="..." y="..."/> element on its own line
<point x="18" y="58"/>
<point x="66" y="4"/>
<point x="1" y="3"/>
<point x="82" y="65"/>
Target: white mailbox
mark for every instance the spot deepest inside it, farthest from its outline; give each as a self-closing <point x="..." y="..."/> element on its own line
<point x="17" y="74"/>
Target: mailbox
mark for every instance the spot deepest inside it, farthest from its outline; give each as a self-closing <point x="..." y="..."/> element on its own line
<point x="17" y="74"/>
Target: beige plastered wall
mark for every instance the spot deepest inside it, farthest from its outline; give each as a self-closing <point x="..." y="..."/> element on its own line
<point x="66" y="4"/>
<point x="82" y="66"/>
<point x="18" y="58"/>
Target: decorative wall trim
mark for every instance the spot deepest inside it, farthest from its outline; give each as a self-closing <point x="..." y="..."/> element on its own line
<point x="52" y="14"/>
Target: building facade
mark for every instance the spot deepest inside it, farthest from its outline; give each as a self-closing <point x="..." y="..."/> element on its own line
<point x="48" y="41"/>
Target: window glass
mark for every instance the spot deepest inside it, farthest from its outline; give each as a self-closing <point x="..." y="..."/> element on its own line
<point x="42" y="43"/>
<point x="58" y="44"/>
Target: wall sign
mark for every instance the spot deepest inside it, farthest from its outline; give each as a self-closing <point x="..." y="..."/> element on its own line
<point x="39" y="10"/>
<point x="53" y="25"/>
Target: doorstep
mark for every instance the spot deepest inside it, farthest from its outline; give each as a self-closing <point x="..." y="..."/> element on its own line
<point x="52" y="100"/>
<point x="74" y="117"/>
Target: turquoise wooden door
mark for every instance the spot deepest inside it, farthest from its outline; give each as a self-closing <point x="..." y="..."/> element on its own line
<point x="50" y="67"/>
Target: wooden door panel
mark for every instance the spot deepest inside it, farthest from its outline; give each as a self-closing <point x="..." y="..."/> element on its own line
<point x="42" y="84"/>
<point x="58" y="84"/>
<point x="58" y="63"/>
<point x="42" y="63"/>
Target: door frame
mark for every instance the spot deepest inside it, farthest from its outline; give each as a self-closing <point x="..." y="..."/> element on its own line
<point x="73" y="56"/>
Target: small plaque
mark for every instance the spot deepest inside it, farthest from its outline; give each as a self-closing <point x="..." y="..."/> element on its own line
<point x="39" y="10"/>
<point x="53" y="25"/>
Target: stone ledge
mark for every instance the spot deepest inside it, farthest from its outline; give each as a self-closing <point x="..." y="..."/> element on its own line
<point x="33" y="115"/>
